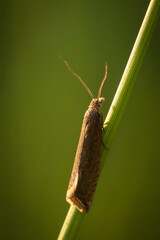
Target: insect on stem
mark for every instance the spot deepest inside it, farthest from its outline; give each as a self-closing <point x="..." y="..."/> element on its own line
<point x="86" y="167"/>
<point x="77" y="77"/>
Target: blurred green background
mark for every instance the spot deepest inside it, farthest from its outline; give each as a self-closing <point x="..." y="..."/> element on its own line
<point x="42" y="107"/>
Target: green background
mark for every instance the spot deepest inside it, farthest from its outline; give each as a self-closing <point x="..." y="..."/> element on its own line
<point x="42" y="107"/>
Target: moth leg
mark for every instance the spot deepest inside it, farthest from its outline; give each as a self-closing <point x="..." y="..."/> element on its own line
<point x="101" y="120"/>
<point x="103" y="130"/>
<point x="104" y="146"/>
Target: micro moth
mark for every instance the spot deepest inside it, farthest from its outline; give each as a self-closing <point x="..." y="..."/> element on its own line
<point x="86" y="168"/>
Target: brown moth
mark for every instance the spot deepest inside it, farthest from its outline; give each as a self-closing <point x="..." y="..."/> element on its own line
<point x="85" y="172"/>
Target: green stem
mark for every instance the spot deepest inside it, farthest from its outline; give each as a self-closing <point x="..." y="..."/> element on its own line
<point x="71" y="224"/>
<point x="74" y="217"/>
<point x="129" y="76"/>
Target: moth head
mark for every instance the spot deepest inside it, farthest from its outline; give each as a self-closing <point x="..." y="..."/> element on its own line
<point x="100" y="101"/>
<point x="96" y="103"/>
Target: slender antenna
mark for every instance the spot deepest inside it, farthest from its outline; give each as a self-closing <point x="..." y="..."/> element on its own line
<point x="77" y="77"/>
<point x="105" y="76"/>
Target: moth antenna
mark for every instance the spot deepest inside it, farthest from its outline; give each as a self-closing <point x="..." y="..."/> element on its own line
<point x="105" y="76"/>
<point x="65" y="62"/>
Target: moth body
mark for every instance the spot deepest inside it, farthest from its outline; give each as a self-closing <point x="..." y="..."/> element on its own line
<point x="85" y="172"/>
<point x="86" y="166"/>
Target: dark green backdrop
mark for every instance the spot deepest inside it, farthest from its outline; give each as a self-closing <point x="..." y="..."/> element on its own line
<point x="42" y="107"/>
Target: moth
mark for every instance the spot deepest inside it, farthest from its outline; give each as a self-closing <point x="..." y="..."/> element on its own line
<point x="86" y="168"/>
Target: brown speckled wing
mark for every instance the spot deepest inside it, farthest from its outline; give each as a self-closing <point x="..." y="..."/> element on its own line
<point x="86" y="167"/>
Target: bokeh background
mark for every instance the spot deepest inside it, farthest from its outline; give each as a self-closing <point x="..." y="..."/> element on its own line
<point x="42" y="107"/>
